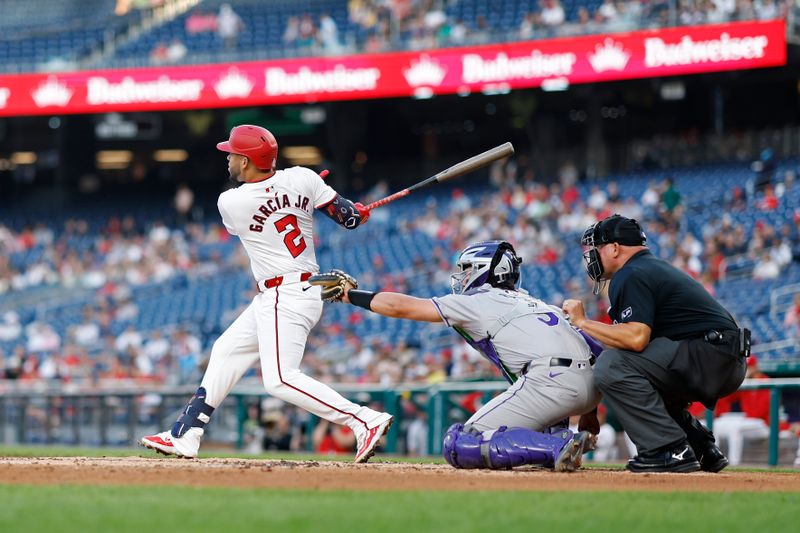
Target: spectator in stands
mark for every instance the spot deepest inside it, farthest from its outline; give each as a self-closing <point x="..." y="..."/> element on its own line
<point x="229" y="25"/>
<point x="10" y="327"/>
<point x="764" y="168"/>
<point x="184" y="202"/>
<point x="737" y="200"/>
<point x="328" y="35"/>
<point x="607" y="12"/>
<point x="768" y="202"/>
<point x="766" y="267"/>
<point x="670" y="198"/>
<point x="417" y="430"/>
<point x="187" y="350"/>
<point x="277" y="428"/>
<point x="159" y="54"/>
<point x="597" y="199"/>
<point x="331" y="439"/>
<point x="651" y="196"/>
<point x="128" y="338"/>
<point x="176" y="51"/>
<point x="482" y="32"/>
<point x="291" y="34"/>
<point x="767" y="10"/>
<point x="745" y="10"/>
<point x="201" y="21"/>
<point x="527" y="27"/>
<point x="362" y="13"/>
<point x="87" y="333"/>
<point x="307" y="31"/>
<point x="791" y="321"/>
<point x="252" y="430"/>
<point x="458" y="32"/>
<point x="690" y="13"/>
<point x="552" y="15"/>
<point x="42" y="337"/>
<point x="433" y="15"/>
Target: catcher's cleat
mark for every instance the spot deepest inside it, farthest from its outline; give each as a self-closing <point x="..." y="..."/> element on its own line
<point x="368" y="440"/>
<point x="571" y="456"/>
<point x="590" y="444"/>
<point x="164" y="443"/>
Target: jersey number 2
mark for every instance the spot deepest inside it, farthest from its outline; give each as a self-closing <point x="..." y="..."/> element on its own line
<point x="290" y="221"/>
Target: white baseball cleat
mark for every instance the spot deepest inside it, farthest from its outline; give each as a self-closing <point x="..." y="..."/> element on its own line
<point x="368" y="440"/>
<point x="186" y="446"/>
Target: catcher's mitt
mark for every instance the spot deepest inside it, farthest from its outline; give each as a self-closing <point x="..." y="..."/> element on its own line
<point x="333" y="284"/>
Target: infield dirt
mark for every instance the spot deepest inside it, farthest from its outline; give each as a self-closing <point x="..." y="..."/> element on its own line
<point x="314" y="475"/>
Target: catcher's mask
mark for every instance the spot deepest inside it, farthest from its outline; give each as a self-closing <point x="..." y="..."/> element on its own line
<point x="492" y="262"/>
<point x="616" y="228"/>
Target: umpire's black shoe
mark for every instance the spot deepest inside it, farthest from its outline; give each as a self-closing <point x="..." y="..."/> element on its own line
<point x="679" y="458"/>
<point x="711" y="458"/>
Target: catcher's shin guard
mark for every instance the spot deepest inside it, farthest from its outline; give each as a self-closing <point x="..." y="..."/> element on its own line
<point x="196" y="414"/>
<point x="502" y="448"/>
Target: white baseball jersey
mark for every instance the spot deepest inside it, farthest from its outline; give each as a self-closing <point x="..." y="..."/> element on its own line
<point x="274" y="219"/>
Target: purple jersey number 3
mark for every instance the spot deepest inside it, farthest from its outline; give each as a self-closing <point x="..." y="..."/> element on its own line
<point x="551" y="320"/>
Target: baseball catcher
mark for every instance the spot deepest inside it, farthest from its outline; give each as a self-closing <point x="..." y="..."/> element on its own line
<point x="546" y="361"/>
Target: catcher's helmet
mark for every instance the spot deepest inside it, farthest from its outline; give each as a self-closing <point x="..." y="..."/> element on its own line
<point x="255" y="143"/>
<point x="492" y="262"/>
<point x="616" y="228"/>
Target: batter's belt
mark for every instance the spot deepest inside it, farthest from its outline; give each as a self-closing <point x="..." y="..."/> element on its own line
<point x="285" y="279"/>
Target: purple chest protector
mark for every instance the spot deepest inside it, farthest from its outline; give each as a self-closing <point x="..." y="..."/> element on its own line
<point x="488" y="350"/>
<point x="594" y="346"/>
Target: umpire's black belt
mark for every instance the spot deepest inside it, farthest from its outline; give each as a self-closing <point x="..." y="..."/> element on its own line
<point x="740" y="336"/>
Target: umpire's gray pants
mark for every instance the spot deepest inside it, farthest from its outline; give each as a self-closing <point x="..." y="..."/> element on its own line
<point x="632" y="385"/>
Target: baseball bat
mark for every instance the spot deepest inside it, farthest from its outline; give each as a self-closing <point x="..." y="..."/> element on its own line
<point x="459" y="169"/>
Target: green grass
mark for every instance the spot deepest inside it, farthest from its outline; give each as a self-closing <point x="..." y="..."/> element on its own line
<point x="122" y="509"/>
<point x="88" y="509"/>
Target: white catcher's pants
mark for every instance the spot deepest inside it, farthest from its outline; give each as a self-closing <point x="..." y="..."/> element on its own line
<point x="274" y="328"/>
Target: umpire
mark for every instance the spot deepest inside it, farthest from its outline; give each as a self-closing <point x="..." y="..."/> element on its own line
<point x="671" y="343"/>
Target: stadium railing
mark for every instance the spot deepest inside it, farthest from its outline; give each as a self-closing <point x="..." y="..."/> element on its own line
<point x="114" y="417"/>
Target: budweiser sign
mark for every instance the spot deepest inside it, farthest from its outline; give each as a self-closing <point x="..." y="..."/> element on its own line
<point x="477" y="69"/>
<point x="609" y="56"/>
<point x="233" y="85"/>
<point x="688" y="51"/>
<point x="51" y="92"/>
<point x="424" y="71"/>
<point x="101" y="91"/>
<point x="490" y="68"/>
<point x="306" y="81"/>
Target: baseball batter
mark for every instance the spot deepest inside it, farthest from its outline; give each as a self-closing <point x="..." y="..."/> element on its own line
<point x="272" y="214"/>
<point x="547" y="362"/>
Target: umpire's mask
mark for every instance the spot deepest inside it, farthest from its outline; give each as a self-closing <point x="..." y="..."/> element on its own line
<point x="616" y="228"/>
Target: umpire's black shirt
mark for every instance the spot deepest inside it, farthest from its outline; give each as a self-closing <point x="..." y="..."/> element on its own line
<point x="653" y="292"/>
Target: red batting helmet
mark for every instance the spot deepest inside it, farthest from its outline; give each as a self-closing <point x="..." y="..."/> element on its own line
<point x="255" y="143"/>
